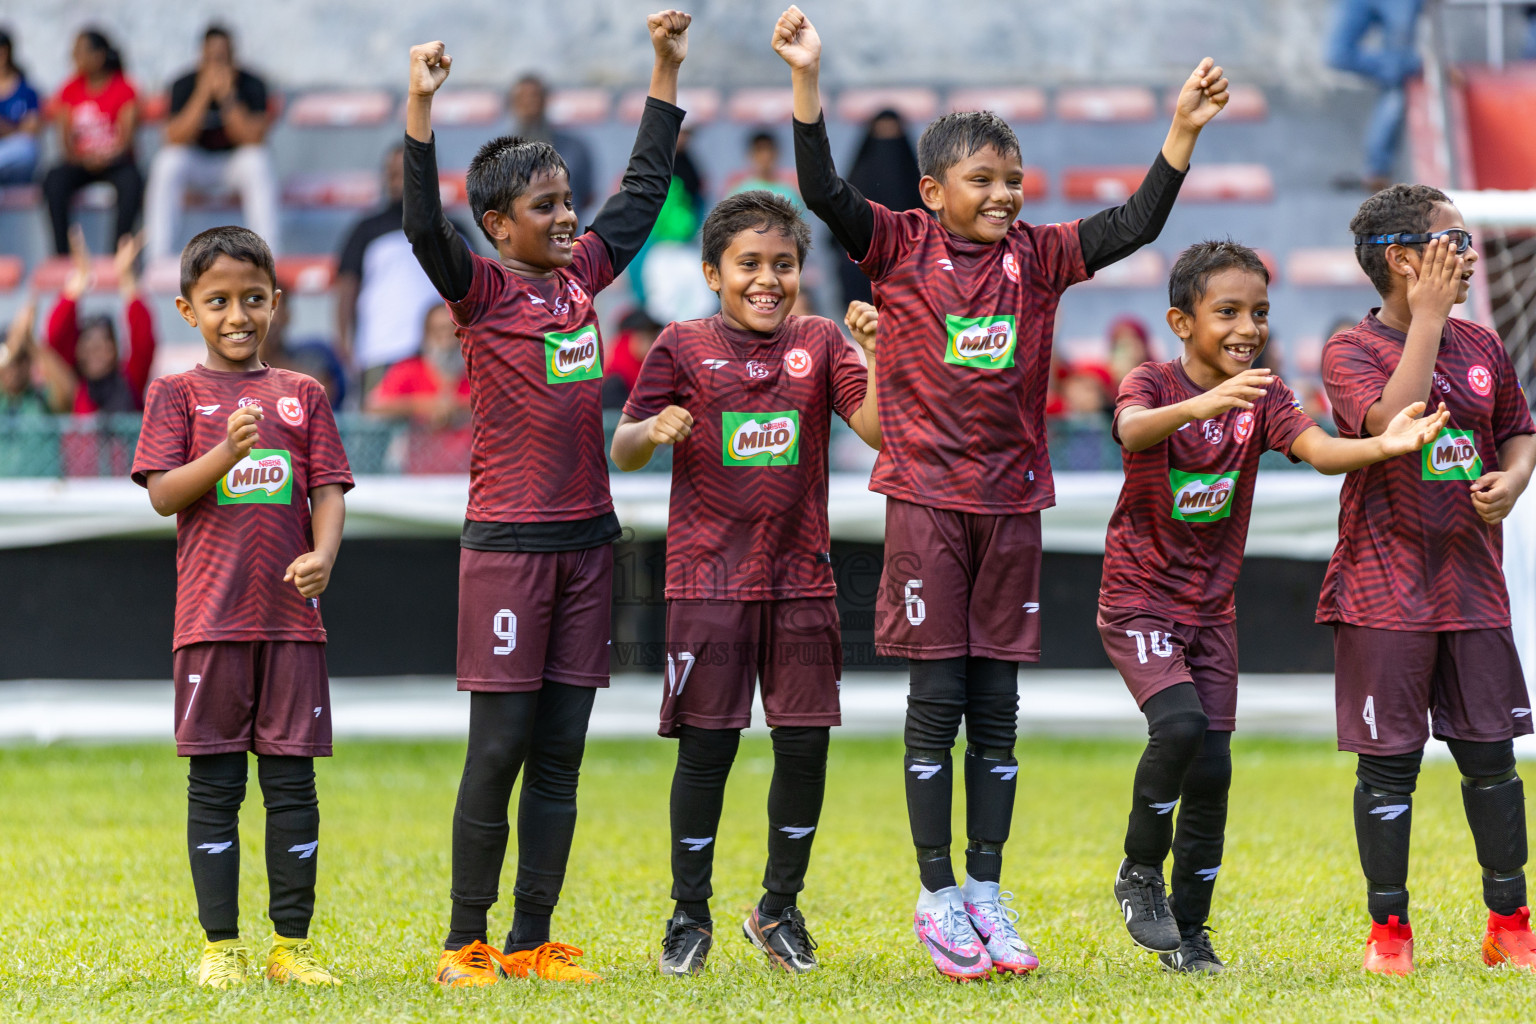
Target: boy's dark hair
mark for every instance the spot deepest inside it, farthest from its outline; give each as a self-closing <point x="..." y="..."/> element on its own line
<point x="501" y="171"/>
<point x="1408" y="208"/>
<point x="237" y="243"/>
<point x="1192" y="271"/>
<point x="217" y="31"/>
<point x="956" y="136"/>
<point x="763" y="135"/>
<point x="756" y="210"/>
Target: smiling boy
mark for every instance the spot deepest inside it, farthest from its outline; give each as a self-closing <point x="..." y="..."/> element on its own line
<point x="746" y="398"/>
<point x="967" y="299"/>
<point x="536" y="558"/>
<point x="248" y="459"/>
<point x="1415" y="589"/>
<point x="1193" y="430"/>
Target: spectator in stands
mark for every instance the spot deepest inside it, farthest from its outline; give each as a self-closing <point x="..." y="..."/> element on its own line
<point x="1390" y="64"/>
<point x="381" y="293"/>
<point x="19" y="393"/>
<point x="763" y="171"/>
<point x="1130" y="345"/>
<point x="664" y="274"/>
<point x="313" y="357"/>
<point x="885" y="172"/>
<point x="18" y="118"/>
<point x="214" y="141"/>
<point x="432" y="386"/>
<point x="621" y="363"/>
<point x="1087" y="393"/>
<point x="88" y="345"/>
<point x="96" y="112"/>
<point x="527" y="102"/>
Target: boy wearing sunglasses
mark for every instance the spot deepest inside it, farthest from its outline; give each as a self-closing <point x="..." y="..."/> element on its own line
<point x="1415" y="589"/>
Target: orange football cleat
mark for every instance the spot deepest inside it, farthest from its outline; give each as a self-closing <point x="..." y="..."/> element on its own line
<point x="1508" y="940"/>
<point x="473" y="966"/>
<point x="1389" y="950"/>
<point x="551" y="961"/>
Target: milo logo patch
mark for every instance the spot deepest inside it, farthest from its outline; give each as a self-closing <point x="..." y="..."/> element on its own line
<point x="574" y="356"/>
<point x="1452" y="456"/>
<point x="760" y="438"/>
<point x="1202" y="497"/>
<point x="985" y="342"/>
<point x="264" y="477"/>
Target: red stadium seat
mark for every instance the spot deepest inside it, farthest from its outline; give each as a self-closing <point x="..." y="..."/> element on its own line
<point x="1246" y="103"/>
<point x="761" y="106"/>
<point x="578" y="106"/>
<point x="1104" y="185"/>
<point x="1035" y="186"/>
<point x="12" y="269"/>
<point x="450" y="185"/>
<point x="914" y="103"/>
<point x="1145" y="268"/>
<point x="354" y="189"/>
<point x="50" y="275"/>
<point x="453" y="108"/>
<point x="1325" y="268"/>
<point x="703" y="105"/>
<point x="1020" y="103"/>
<point x="1215" y="183"/>
<point x="1270" y="264"/>
<point x="1106" y="103"/>
<point x="306" y="275"/>
<point x="154" y="108"/>
<point x="353" y="108"/>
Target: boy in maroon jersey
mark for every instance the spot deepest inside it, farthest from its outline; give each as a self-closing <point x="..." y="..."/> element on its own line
<point x="967" y="301"/>
<point x="536" y="565"/>
<point x="1193" y="429"/>
<point x="248" y="459"/>
<point x="746" y="397"/>
<point x="1415" y="589"/>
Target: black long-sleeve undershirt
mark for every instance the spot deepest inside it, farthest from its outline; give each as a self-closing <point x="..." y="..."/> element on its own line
<point x="1107" y="236"/>
<point x="623" y="224"/>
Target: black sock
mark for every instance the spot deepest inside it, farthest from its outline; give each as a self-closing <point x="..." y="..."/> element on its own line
<point x="991" y="771"/>
<point x="704" y="759"/>
<point x="1201" y="832"/>
<point x="794" y="810"/>
<point x="215" y="789"/>
<point x="696" y="909"/>
<point x="1383" y="826"/>
<point x="1176" y="726"/>
<point x="1494" y="799"/>
<point x="935" y="707"/>
<point x="293" y="841"/>
<point x="773" y="904"/>
<point x="530" y="926"/>
<point x="546" y="807"/>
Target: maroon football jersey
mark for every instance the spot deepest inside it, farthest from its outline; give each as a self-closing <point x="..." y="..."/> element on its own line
<point x="535" y="361"/>
<point x="234" y="544"/>
<point x="748" y="513"/>
<point x="965" y="353"/>
<point x="1176" y="537"/>
<point x="1412" y="552"/>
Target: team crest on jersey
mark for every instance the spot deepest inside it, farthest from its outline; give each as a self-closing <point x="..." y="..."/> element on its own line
<point x="576" y="293"/>
<point x="757" y="370"/>
<point x="1212" y="431"/>
<point x="798" y="362"/>
<point x="1442" y="382"/>
<point x="1452" y="456"/>
<point x="291" y="410"/>
<point x="1242" y="427"/>
<point x="264" y="477"/>
<point x="1201" y="497"/>
<point x="760" y="438"/>
<point x="573" y="356"/>
<point x="1011" y="267"/>
<point x="983" y="342"/>
<point x="245" y="401"/>
<point x="1480" y="380"/>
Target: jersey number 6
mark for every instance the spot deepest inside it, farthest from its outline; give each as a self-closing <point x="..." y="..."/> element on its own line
<point x="917" y="611"/>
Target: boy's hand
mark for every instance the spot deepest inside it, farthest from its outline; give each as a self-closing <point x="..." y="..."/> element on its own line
<point x="310" y="572"/>
<point x="429" y="68"/>
<point x="795" y="39"/>
<point x="1432" y="290"/>
<point x="1240" y="392"/>
<point x="1493" y="495"/>
<point x="242" y="432"/>
<point x="1407" y="433"/>
<point x="670" y="425"/>
<point x="122" y="261"/>
<point x="669" y="35"/>
<point x="1203" y="95"/>
<point x="862" y="320"/>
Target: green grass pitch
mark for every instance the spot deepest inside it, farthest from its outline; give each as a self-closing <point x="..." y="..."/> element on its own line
<point x="99" y="924"/>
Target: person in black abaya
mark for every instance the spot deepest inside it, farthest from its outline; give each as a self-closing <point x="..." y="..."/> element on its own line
<point x="885" y="172"/>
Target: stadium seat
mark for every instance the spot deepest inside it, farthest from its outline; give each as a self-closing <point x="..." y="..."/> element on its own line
<point x="1270" y="264"/>
<point x="761" y="106"/>
<point x="1145" y="268"/>
<point x="318" y="190"/>
<point x="1106" y="103"/>
<point x="1100" y="184"/>
<point x="306" y="275"/>
<point x="1216" y="183"/>
<point x="703" y="105"/>
<point x="1019" y="103"/>
<point x="1036" y="187"/>
<point x="352" y="108"/>
<point x="458" y="108"/>
<point x="914" y="103"/>
<point x="154" y="108"/>
<point x="578" y="106"/>
<point x="1245" y="103"/>
<point x="451" y="186"/>
<point x="49" y="275"/>
<point x="1325" y="268"/>
<point x="12" y="269"/>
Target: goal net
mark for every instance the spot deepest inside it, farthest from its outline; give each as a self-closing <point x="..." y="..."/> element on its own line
<point x="1503" y="227"/>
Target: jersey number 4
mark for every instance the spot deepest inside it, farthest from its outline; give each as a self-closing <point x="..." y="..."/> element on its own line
<point x="1162" y="646"/>
<point x="1368" y="715"/>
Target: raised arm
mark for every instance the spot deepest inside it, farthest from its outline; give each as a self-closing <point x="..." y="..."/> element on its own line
<point x="1431" y="294"/>
<point x="439" y="249"/>
<point x="1141" y="427"/>
<point x="1404" y="433"/>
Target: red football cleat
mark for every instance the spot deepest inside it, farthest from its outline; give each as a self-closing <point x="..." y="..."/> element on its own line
<point x="1389" y="950"/>
<point x="1508" y="940"/>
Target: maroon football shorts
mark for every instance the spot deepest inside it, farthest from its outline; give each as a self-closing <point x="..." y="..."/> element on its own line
<point x="716" y="650"/>
<point x="528" y="616"/>
<point x="1390" y="684"/>
<point x="1152" y="653"/>
<point x="959" y="583"/>
<point x="270" y="696"/>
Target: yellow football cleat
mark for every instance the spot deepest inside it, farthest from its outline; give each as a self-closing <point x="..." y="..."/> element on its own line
<point x="223" y="964"/>
<point x="551" y="961"/>
<point x="474" y="966"/>
<point x="294" y="960"/>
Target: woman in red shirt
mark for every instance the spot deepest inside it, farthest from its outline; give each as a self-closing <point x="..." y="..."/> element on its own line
<point x="431" y="389"/>
<point x="88" y="345"/>
<point x="95" y="113"/>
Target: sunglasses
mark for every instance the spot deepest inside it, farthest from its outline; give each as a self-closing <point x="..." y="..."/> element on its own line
<point x="1461" y="238"/>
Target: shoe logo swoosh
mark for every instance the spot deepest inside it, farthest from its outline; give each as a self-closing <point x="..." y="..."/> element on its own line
<point x="958" y="960"/>
<point x="1126" y="906"/>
